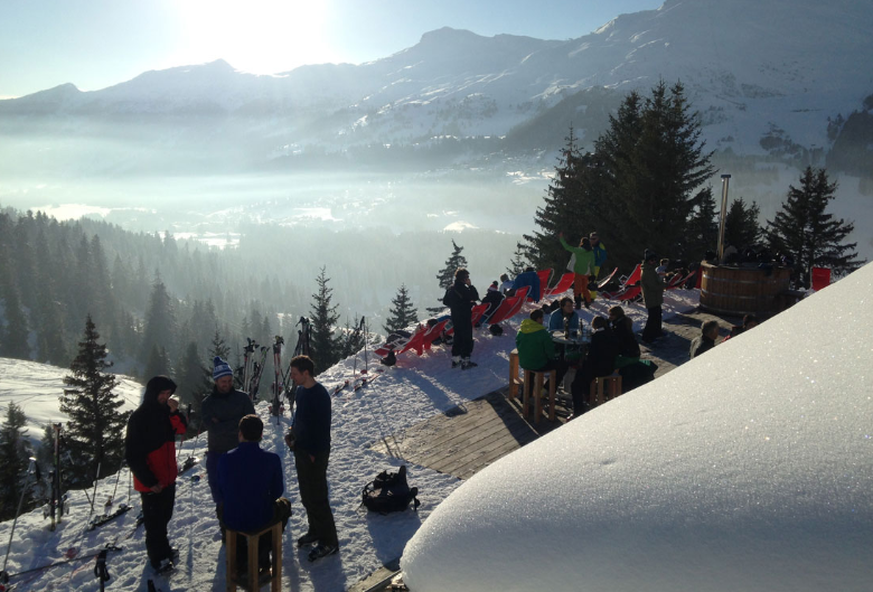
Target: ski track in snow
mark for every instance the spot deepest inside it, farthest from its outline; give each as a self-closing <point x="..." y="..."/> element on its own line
<point x="414" y="390"/>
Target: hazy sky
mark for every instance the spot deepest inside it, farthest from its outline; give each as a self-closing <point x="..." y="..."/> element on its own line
<point x="98" y="43"/>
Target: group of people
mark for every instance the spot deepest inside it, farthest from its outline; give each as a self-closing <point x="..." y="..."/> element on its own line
<point x="709" y="332"/>
<point x="246" y="482"/>
<point x="612" y="346"/>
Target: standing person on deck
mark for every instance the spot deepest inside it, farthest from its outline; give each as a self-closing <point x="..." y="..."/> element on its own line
<point x="599" y="257"/>
<point x="653" y="286"/>
<point x="583" y="267"/>
<point x="150" y="452"/>
<point x="222" y="409"/>
<point x="460" y="298"/>
<point x="309" y="440"/>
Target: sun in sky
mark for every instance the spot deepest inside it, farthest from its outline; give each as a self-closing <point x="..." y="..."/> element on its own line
<point x="258" y="36"/>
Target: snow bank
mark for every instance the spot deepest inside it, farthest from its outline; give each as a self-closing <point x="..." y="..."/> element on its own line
<point x="748" y="468"/>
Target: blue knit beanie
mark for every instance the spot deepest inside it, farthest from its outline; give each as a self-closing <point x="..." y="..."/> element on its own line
<point x="221" y="368"/>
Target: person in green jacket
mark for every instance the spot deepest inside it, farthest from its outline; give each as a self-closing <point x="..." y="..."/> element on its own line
<point x="583" y="267"/>
<point x="536" y="350"/>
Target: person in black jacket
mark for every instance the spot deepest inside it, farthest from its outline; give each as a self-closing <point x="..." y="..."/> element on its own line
<point x="221" y="412"/>
<point x="150" y="452"/>
<point x="623" y="329"/>
<point x="600" y="361"/>
<point x="460" y="298"/>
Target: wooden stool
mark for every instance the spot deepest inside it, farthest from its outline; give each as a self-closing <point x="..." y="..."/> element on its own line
<point x="514" y="380"/>
<point x="613" y="389"/>
<point x="535" y="378"/>
<point x="252" y="538"/>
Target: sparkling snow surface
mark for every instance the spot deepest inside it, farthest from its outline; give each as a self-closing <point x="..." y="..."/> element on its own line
<point x="750" y="468"/>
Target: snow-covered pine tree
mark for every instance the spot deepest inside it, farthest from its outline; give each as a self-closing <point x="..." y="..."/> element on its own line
<point x="325" y="346"/>
<point x="802" y="229"/>
<point x="95" y="432"/>
<point x="402" y="312"/>
<point x="446" y="276"/>
<point x="158" y="363"/>
<point x="519" y="261"/>
<point x="13" y="337"/>
<point x="14" y="453"/>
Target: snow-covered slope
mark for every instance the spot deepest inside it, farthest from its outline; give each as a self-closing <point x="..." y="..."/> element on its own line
<point x="37" y="388"/>
<point x="748" y="468"/>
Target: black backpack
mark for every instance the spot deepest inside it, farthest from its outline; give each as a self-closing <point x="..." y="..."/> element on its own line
<point x="389" y="492"/>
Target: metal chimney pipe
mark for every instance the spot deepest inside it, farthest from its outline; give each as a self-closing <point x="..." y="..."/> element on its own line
<point x="725" y="184"/>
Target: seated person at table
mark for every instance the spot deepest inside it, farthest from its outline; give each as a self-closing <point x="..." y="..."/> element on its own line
<point x="706" y="341"/>
<point x="623" y="329"/>
<point x="251" y="482"/>
<point x="600" y="361"/>
<point x="528" y="278"/>
<point x="536" y="350"/>
<point x="566" y="311"/>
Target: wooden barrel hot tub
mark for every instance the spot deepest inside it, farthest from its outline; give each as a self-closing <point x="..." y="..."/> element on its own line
<point x="743" y="290"/>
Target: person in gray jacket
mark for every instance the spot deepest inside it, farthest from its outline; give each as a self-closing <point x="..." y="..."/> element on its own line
<point x="221" y="411"/>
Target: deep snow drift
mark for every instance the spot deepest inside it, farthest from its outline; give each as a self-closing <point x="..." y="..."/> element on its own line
<point x="750" y="468"/>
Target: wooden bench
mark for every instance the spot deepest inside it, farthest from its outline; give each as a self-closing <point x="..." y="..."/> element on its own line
<point x="533" y="387"/>
<point x="604" y="388"/>
<point x="252" y="582"/>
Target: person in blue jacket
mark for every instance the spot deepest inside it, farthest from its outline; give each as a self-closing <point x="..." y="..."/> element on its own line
<point x="252" y="482"/>
<point x="567" y="311"/>
<point x="528" y="278"/>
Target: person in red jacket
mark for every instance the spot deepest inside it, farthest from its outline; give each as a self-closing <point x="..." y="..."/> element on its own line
<point x="150" y="452"/>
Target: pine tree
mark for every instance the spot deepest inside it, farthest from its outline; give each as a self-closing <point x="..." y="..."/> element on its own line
<point x="13" y="337"/>
<point x="741" y="228"/>
<point x="559" y="213"/>
<point x="160" y="322"/>
<point x="325" y="346"/>
<point x="803" y="230"/>
<point x="189" y="375"/>
<point x="402" y="312"/>
<point x="95" y="432"/>
<point x="158" y="363"/>
<point x="519" y="260"/>
<point x="702" y="226"/>
<point x="14" y="453"/>
<point x="446" y="276"/>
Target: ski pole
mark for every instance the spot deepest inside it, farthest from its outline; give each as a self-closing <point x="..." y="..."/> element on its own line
<point x="115" y="489"/>
<point x="100" y="569"/>
<point x="30" y="468"/>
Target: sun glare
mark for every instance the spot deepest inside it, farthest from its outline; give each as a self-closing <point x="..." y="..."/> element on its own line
<point x="259" y="36"/>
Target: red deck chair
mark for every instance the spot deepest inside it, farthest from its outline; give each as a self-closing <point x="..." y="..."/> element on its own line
<point x="477" y="312"/>
<point x="821" y="278"/>
<point x="634" y="277"/>
<point x="430" y="336"/>
<point x="504" y="311"/>
<point x="678" y="282"/>
<point x="564" y="284"/>
<point x="415" y="342"/>
<point x="545" y="276"/>
<point x="629" y="294"/>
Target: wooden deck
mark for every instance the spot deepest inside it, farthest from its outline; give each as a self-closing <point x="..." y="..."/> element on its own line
<point x="467" y="438"/>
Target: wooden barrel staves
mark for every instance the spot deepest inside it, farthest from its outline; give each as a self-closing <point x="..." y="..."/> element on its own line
<point x="742" y="290"/>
